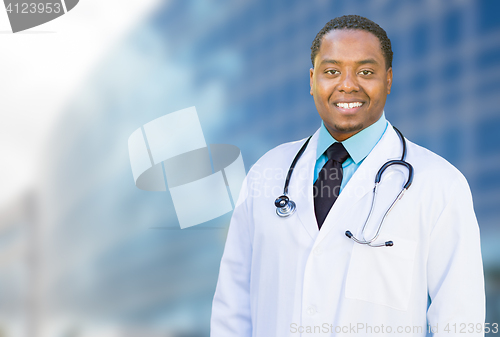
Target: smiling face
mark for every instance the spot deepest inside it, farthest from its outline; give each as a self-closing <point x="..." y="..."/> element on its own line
<point x="349" y="81"/>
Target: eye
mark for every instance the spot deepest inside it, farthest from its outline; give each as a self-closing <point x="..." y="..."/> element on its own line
<point x="332" y="72"/>
<point x="366" y="72"/>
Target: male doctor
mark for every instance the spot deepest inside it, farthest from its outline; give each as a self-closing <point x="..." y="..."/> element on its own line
<point x="301" y="275"/>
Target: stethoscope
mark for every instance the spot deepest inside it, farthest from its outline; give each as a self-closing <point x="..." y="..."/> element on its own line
<point x="286" y="207"/>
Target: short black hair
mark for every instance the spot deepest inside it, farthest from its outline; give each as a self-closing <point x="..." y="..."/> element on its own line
<point x="355" y="22"/>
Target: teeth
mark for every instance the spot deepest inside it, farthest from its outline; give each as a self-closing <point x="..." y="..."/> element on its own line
<point x="349" y="105"/>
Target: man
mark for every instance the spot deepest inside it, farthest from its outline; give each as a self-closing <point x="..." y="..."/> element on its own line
<point x="300" y="274"/>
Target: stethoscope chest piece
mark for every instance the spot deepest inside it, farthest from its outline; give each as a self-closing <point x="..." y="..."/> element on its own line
<point x="284" y="206"/>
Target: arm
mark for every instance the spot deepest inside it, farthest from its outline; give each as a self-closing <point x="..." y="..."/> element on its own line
<point x="455" y="269"/>
<point x="231" y="305"/>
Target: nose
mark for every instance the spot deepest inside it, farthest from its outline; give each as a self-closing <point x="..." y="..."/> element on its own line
<point x="348" y="83"/>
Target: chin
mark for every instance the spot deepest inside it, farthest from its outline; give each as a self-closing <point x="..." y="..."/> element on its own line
<point x="348" y="127"/>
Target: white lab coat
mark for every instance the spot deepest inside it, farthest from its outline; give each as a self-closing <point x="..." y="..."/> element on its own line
<point x="284" y="277"/>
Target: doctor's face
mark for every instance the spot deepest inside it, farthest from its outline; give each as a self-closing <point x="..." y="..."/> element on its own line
<point x="349" y="81"/>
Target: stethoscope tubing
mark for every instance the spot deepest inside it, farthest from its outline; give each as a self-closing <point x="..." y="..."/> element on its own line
<point x="286" y="207"/>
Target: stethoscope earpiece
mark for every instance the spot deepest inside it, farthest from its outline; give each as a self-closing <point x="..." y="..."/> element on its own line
<point x="351" y="236"/>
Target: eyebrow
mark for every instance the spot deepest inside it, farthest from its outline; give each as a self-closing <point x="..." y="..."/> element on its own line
<point x="367" y="61"/>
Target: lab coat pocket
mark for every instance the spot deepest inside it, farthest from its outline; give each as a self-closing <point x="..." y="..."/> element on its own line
<point x="382" y="275"/>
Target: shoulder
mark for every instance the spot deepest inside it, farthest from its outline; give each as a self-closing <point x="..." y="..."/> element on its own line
<point x="433" y="168"/>
<point x="274" y="163"/>
<point x="279" y="157"/>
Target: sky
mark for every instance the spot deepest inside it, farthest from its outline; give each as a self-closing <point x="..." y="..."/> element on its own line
<point x="41" y="69"/>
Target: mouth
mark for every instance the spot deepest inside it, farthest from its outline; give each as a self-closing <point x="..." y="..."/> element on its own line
<point x="345" y="105"/>
<point x="349" y="107"/>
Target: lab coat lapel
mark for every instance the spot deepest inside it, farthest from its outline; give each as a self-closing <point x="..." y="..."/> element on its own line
<point x="301" y="185"/>
<point x="388" y="148"/>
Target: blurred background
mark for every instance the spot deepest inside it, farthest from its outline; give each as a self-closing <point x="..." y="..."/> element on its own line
<point x="83" y="252"/>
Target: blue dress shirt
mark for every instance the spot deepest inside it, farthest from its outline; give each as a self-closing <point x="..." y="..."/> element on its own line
<point x="358" y="147"/>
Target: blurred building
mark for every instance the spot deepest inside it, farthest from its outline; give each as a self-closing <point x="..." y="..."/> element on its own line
<point x="100" y="257"/>
<point x="19" y="267"/>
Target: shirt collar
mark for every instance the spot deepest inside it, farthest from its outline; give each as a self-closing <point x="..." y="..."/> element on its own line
<point x="359" y="145"/>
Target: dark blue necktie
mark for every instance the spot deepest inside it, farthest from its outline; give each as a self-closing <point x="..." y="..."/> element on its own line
<point x="327" y="187"/>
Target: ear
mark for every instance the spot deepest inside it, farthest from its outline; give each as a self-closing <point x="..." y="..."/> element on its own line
<point x="389" y="80"/>
<point x="311" y="74"/>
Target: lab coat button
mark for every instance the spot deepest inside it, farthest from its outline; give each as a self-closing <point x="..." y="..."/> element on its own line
<point x="318" y="251"/>
<point x="311" y="310"/>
